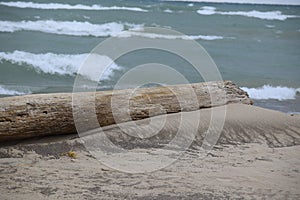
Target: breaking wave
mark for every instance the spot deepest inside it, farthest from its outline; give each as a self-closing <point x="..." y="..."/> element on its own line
<point x="74" y="28"/>
<point x="6" y="91"/>
<point x="170" y="37"/>
<point x="269" y="2"/>
<point x="269" y="15"/>
<point x="55" y="6"/>
<point x="270" y="92"/>
<point x="61" y="64"/>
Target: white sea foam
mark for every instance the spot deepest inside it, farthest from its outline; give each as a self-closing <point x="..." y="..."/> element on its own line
<point x="270" y="26"/>
<point x="6" y="91"/>
<point x="74" y="28"/>
<point x="207" y="10"/>
<point x="270" y="92"/>
<point x="50" y="6"/>
<point x="168" y="11"/>
<point x="62" y="64"/>
<point x="266" y="2"/>
<point x="170" y="37"/>
<point x="269" y="15"/>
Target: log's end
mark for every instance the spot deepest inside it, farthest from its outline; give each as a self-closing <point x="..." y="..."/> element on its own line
<point x="237" y="94"/>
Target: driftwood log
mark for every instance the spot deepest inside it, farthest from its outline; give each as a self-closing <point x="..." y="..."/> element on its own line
<point x="51" y="114"/>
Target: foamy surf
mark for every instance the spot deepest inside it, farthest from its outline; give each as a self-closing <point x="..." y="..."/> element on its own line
<point x="270" y="92"/>
<point x="169" y="37"/>
<point x="268" y="15"/>
<point x="61" y="64"/>
<point x="269" y="2"/>
<point x="74" y="28"/>
<point x="56" y="6"/>
<point x="168" y="11"/>
<point x="8" y="92"/>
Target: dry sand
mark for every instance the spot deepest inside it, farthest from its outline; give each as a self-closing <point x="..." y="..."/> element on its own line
<point x="257" y="157"/>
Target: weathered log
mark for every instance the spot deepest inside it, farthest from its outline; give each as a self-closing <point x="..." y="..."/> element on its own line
<point x="50" y="114"/>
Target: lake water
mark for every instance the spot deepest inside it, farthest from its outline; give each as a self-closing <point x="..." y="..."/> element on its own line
<point x="43" y="43"/>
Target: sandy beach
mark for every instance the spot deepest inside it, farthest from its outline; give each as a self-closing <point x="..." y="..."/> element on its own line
<point x="256" y="158"/>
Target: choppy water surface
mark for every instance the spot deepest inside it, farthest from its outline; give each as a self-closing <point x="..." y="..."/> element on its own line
<point x="43" y="43"/>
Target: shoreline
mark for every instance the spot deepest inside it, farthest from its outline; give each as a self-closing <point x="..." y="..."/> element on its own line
<point x="234" y="168"/>
<point x="256" y="157"/>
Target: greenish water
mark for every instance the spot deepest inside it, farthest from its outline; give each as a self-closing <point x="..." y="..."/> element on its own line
<point x="257" y="45"/>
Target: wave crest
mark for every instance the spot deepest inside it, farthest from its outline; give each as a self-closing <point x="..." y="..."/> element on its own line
<point x="6" y="91"/>
<point x="55" y="6"/>
<point x="269" y="15"/>
<point x="270" y="92"/>
<point x="169" y="37"/>
<point x="269" y="2"/>
<point x="74" y="28"/>
<point x="62" y="64"/>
